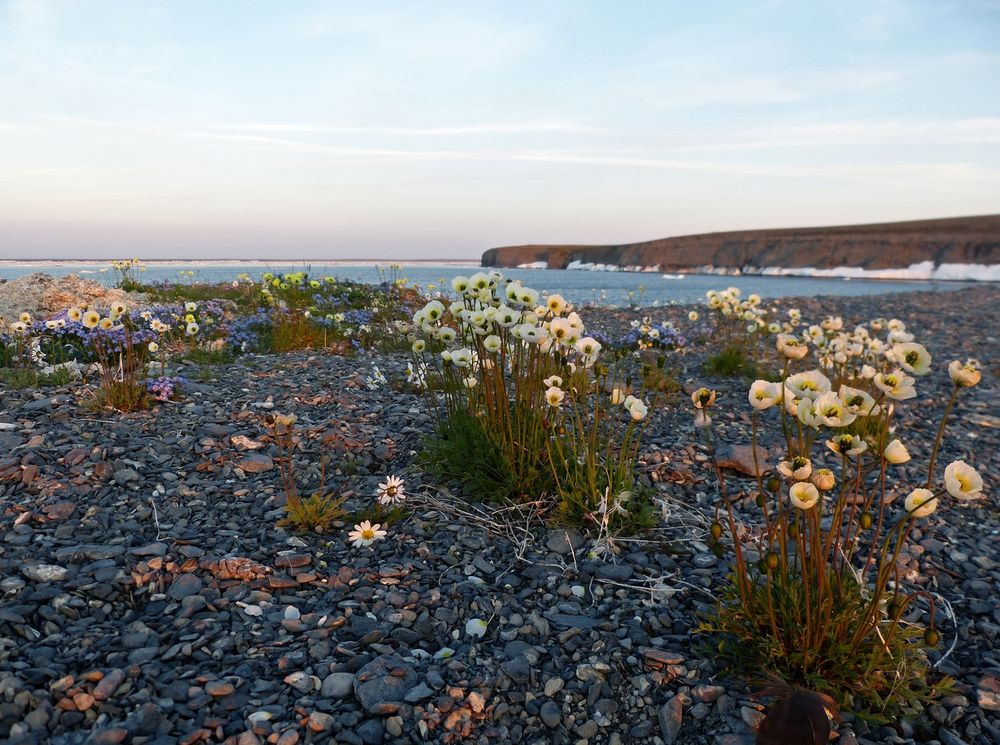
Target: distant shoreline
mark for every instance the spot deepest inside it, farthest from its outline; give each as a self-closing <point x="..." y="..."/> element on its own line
<point x="244" y="262"/>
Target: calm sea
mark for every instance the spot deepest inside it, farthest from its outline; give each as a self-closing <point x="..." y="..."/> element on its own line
<point x="580" y="287"/>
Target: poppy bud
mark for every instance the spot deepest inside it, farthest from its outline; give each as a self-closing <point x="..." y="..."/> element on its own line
<point x="866" y="520"/>
<point x="931" y="638"/>
<point x="716" y="530"/>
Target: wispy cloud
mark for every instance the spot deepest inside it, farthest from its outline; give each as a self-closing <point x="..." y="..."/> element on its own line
<point x="457" y="130"/>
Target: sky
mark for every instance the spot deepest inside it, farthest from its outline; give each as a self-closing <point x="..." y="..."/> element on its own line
<point x="194" y="129"/>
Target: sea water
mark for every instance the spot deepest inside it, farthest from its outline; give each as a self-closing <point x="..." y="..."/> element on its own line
<point x="615" y="288"/>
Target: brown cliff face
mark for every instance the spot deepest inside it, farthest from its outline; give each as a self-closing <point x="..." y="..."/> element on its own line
<point x="959" y="240"/>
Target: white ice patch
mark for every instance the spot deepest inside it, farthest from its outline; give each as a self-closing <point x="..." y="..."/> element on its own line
<point x="924" y="270"/>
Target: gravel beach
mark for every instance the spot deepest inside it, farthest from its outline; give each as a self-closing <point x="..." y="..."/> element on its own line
<point x="146" y="595"/>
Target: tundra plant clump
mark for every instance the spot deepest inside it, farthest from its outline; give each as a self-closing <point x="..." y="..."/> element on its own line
<point x="818" y="597"/>
<point x="526" y="408"/>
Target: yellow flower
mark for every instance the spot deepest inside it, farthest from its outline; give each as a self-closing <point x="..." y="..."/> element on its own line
<point x="74" y="314"/>
<point x="91" y="318"/>
<point x="106" y="323"/>
<point x="25" y="318"/>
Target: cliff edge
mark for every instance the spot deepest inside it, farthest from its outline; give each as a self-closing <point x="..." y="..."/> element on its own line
<point x="892" y="245"/>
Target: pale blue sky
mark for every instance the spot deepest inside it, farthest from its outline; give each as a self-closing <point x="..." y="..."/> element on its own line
<point x="242" y="128"/>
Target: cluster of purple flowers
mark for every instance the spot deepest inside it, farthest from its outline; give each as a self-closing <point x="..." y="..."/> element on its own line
<point x="249" y="333"/>
<point x="165" y="388"/>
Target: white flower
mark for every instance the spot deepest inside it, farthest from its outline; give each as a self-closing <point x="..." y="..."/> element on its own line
<point x="807" y="384"/>
<point x="554" y="396"/>
<point x="90" y="319"/>
<point x="588" y="346"/>
<point x="460" y="284"/>
<point x="962" y="481"/>
<point x="857" y="401"/>
<point x="693" y="315"/>
<point x="896" y="385"/>
<point x="804" y="495"/>
<point x="470" y="382"/>
<point x="391" y="491"/>
<point x="920" y="502"/>
<point x="433" y="310"/>
<point x="895" y="452"/>
<point x="74" y="314"/>
<point x="823" y="479"/>
<point x="418" y="346"/>
<point x="913" y="358"/>
<point x="557" y="304"/>
<point x="476" y="627"/>
<point x="806" y="413"/>
<point x="190" y="307"/>
<point x="462" y="357"/>
<point x="447" y="334"/>
<point x="764" y="394"/>
<point x="638" y="410"/>
<point x="366" y="534"/>
<point x="850" y="445"/>
<point x="791" y="347"/>
<point x="617" y="396"/>
<point x="480" y="281"/>
<point x="797" y="469"/>
<point x="507" y="317"/>
<point x="416" y="377"/>
<point x="868" y="372"/>
<point x="492" y="343"/>
<point x="964" y="376"/>
<point x="192" y="328"/>
<point x="154" y="347"/>
<point x="831" y="410"/>
<point x="553" y="380"/>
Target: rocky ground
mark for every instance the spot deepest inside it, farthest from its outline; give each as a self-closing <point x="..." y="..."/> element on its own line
<point x="146" y="595"/>
<point x="42" y="294"/>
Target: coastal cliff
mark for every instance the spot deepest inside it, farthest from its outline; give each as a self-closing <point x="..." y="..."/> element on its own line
<point x="960" y="240"/>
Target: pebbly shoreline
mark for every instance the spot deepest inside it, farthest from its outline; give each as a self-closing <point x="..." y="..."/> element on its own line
<point x="146" y="595"/>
